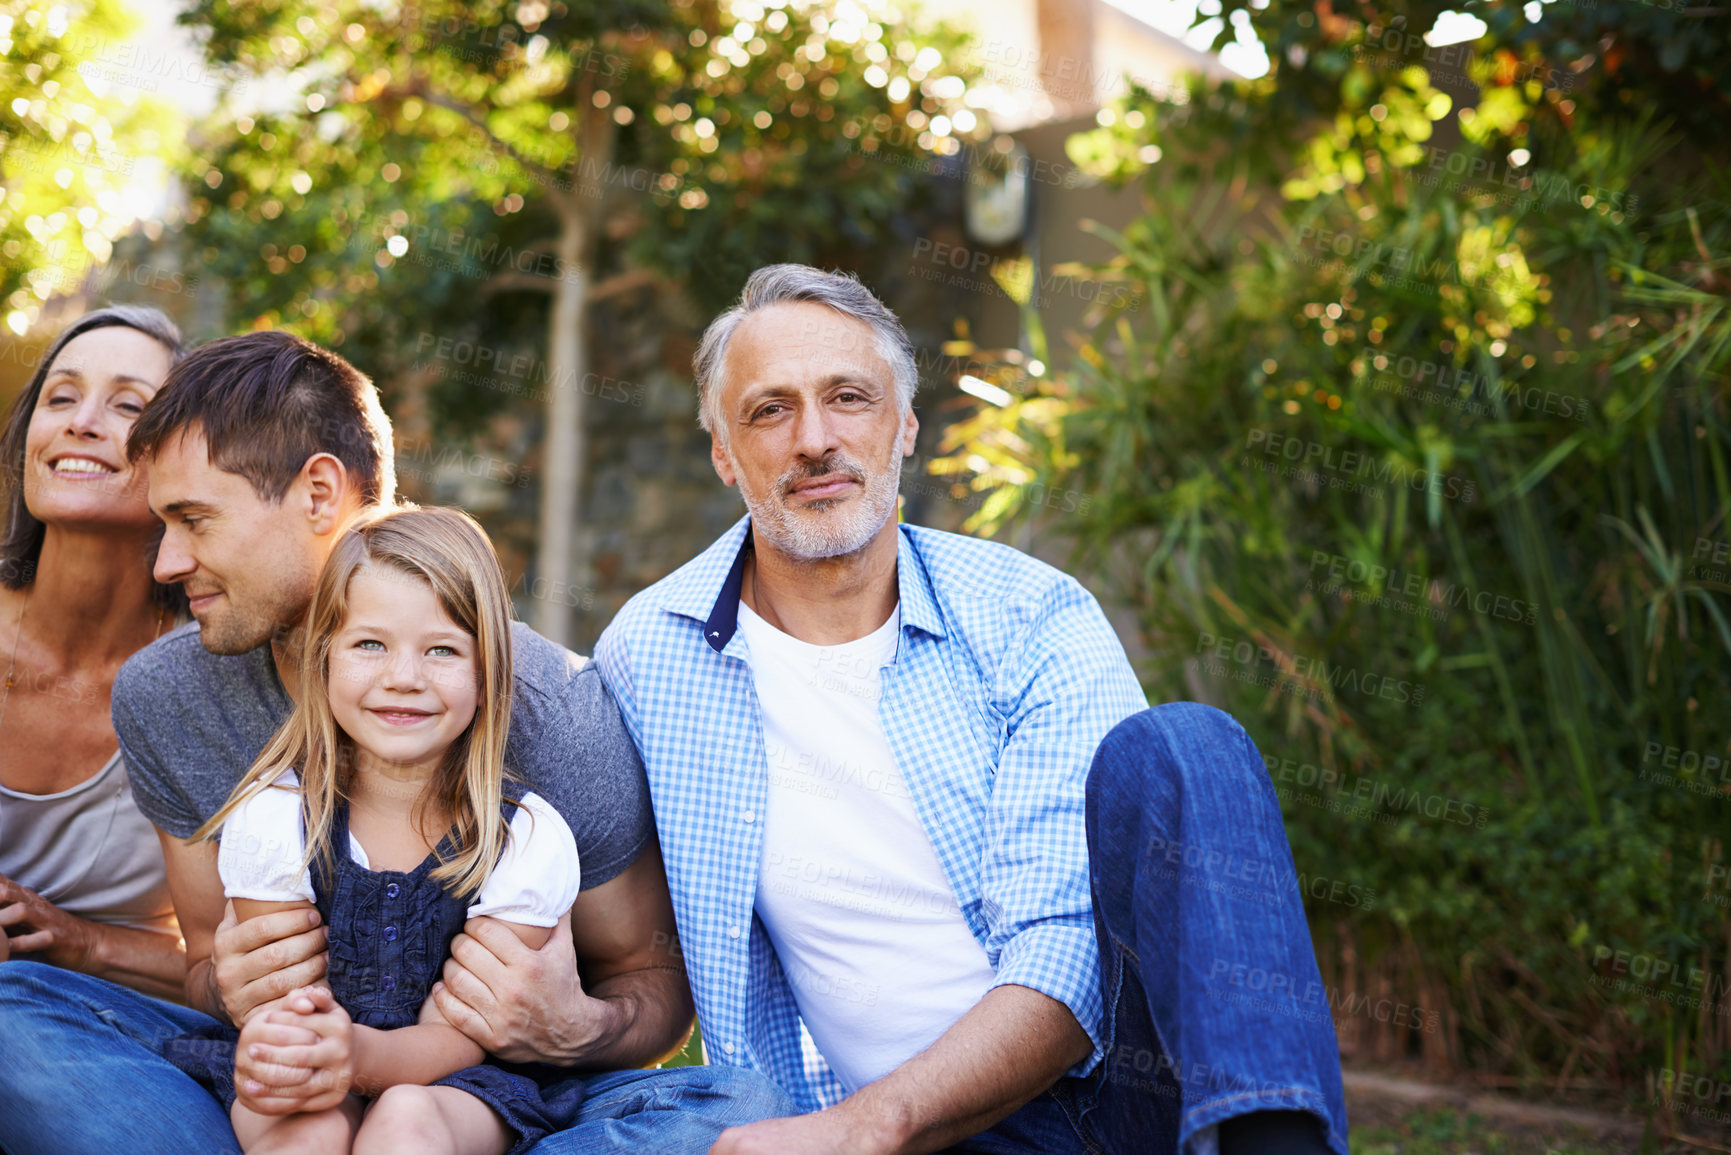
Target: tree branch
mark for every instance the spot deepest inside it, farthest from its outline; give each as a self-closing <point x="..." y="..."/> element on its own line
<point x="518" y="283"/>
<point x="623" y="283"/>
<point x="547" y="177"/>
<point x="613" y="286"/>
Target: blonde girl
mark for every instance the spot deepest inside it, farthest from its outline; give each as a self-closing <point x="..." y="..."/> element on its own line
<point x="384" y="801"/>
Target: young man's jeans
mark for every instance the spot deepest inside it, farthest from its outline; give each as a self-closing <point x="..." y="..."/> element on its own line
<point x="1214" y="1004"/>
<point x="80" y="1075"/>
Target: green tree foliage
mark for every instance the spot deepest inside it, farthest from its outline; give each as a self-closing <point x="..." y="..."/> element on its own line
<point x="1410" y="448"/>
<point x="76" y="126"/>
<point x="427" y="155"/>
<point x="424" y="167"/>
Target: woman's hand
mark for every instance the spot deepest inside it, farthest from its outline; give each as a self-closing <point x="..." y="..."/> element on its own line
<point x="297" y="1057"/>
<point x="37" y="926"/>
<point x="141" y="959"/>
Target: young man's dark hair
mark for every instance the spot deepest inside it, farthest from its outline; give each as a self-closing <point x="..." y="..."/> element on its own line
<point x="266" y="402"/>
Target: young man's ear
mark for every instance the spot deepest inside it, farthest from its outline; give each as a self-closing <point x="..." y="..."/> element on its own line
<point x="326" y="490"/>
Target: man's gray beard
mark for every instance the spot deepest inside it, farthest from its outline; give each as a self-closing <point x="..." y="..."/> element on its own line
<point x="821" y="530"/>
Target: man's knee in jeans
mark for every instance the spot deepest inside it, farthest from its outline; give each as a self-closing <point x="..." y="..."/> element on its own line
<point x="1156" y="746"/>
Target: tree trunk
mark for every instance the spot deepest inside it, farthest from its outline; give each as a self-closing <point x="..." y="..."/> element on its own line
<point x="556" y="589"/>
<point x="562" y="446"/>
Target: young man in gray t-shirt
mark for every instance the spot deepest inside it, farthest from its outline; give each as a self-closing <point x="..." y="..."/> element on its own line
<point x="261" y="449"/>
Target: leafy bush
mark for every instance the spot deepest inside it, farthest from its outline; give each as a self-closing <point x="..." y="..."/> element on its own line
<point x="1411" y="452"/>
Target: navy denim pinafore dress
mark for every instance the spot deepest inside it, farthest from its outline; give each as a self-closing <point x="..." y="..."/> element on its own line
<point x="389" y="935"/>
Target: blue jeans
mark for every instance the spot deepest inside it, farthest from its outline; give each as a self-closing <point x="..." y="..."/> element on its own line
<point x="80" y="1074"/>
<point x="1214" y="1005"/>
<point x="680" y="1110"/>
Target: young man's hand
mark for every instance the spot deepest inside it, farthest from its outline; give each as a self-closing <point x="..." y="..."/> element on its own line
<point x="520" y="1004"/>
<point x="261" y="960"/>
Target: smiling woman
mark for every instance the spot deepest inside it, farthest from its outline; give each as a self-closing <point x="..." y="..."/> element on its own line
<point x="82" y="880"/>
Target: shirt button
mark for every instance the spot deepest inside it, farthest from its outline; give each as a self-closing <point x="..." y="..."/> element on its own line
<point x="390" y="934"/>
<point x="391" y="890"/>
<point x="750" y="816"/>
<point x="733" y="932"/>
<point x="728" y="1047"/>
<point x="387" y="983"/>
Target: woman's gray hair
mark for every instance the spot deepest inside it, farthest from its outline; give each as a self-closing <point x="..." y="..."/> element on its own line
<point x="21" y="544"/>
<point x="780" y="285"/>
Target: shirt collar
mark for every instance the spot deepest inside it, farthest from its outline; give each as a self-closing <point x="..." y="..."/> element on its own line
<point x="723" y="565"/>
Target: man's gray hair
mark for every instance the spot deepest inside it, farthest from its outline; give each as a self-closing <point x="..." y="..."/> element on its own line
<point x="780" y="285"/>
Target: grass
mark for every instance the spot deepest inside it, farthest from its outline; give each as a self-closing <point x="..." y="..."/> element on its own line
<point x="1389" y="1129"/>
<point x="691" y="1055"/>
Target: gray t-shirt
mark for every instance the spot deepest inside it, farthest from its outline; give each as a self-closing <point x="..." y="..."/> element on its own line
<point x="191" y="723"/>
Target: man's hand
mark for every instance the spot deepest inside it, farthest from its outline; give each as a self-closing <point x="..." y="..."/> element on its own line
<point x="261" y="960"/>
<point x="429" y="1012"/>
<point x="1012" y="1045"/>
<point x="830" y="1132"/>
<point x="30" y="924"/>
<point x="519" y="1004"/>
<point x="298" y="1057"/>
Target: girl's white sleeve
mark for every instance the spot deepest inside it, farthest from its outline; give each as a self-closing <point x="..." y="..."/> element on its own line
<point x="263" y="844"/>
<point x="537" y="877"/>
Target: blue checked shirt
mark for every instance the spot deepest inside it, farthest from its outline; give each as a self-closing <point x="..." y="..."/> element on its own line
<point x="1006" y="678"/>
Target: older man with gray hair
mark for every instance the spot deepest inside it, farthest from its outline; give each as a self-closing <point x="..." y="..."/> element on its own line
<point x="937" y="868"/>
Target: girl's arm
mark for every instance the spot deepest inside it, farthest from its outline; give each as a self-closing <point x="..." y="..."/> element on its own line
<point x="255" y="966"/>
<point x="275" y="942"/>
<point x="245" y="908"/>
<point x="321" y="1055"/>
<point x="429" y="1050"/>
<point x="417" y="1055"/>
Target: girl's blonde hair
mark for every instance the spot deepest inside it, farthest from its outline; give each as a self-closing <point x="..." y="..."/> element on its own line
<point x="448" y="550"/>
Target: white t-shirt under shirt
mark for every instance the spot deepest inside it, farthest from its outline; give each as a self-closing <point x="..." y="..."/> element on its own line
<point x="264" y="845"/>
<point x="863" y="919"/>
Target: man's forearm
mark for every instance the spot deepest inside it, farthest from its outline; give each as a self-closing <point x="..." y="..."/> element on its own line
<point x="1012" y="1046"/>
<point x="649" y="1013"/>
<point x="202" y="993"/>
